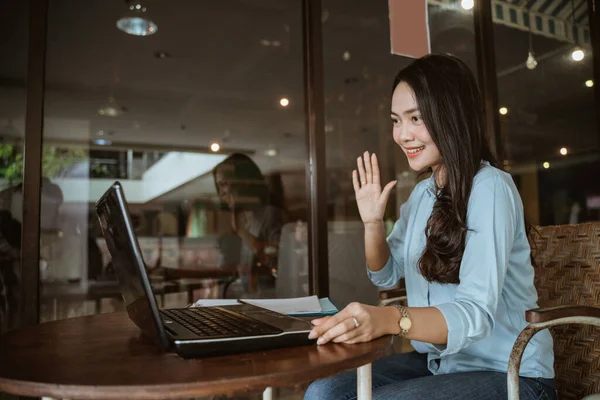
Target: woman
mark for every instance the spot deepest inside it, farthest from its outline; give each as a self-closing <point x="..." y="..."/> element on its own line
<point x="461" y="245"/>
<point x="256" y="217"/>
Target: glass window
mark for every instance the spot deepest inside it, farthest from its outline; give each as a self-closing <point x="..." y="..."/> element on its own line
<point x="499" y="11"/>
<point x="14" y="29"/>
<point x="359" y="72"/>
<point x="513" y="15"/>
<point x="548" y="123"/>
<point x="161" y="106"/>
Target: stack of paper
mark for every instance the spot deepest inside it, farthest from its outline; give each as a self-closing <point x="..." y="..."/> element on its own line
<point x="299" y="306"/>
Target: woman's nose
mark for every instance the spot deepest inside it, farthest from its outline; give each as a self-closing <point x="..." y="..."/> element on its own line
<point x="402" y="134"/>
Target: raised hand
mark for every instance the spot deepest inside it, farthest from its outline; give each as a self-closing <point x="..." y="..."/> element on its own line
<point x="371" y="200"/>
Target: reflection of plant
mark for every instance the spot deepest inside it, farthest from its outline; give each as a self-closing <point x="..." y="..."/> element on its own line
<point x="98" y="170"/>
<point x="55" y="161"/>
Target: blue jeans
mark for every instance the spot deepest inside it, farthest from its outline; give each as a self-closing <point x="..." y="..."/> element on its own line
<point x="405" y="376"/>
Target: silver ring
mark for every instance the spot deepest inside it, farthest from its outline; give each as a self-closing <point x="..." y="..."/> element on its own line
<point x="356" y="324"/>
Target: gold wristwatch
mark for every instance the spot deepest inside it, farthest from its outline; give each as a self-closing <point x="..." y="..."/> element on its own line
<point x="405" y="322"/>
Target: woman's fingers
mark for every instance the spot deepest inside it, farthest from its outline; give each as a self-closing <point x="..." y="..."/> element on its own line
<point x="387" y="190"/>
<point x="368" y="170"/>
<point x="353" y="336"/>
<point x="355" y="180"/>
<point x="359" y="338"/>
<point x="361" y="171"/>
<point x="375" y="169"/>
<point x="341" y="329"/>
<point x="320" y="321"/>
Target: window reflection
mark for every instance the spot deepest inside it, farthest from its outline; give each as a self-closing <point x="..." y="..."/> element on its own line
<point x="159" y="113"/>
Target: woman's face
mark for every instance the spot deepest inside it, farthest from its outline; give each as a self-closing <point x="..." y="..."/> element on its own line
<point x="410" y="132"/>
<point x="223" y="184"/>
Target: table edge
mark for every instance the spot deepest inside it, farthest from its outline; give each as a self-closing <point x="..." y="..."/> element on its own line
<point x="190" y="389"/>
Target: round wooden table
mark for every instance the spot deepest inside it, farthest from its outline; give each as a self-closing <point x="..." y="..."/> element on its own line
<point x="105" y="357"/>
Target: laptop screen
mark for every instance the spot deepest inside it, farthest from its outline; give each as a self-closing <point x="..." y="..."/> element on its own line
<point x="128" y="263"/>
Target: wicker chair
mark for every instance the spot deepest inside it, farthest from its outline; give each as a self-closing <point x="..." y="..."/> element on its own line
<point x="567" y="278"/>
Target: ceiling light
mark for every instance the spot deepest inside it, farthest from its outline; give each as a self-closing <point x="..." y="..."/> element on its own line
<point x="563" y="151"/>
<point x="110" y="109"/>
<point x="102" y="142"/>
<point x="589" y="83"/>
<point x="467" y="4"/>
<point x="215" y="147"/>
<point x="503" y="110"/>
<point x="346" y="55"/>
<point x="271" y="152"/>
<point x="284" y="102"/>
<point x="577" y="55"/>
<point x="162" y="55"/>
<point x="100" y="133"/>
<point x="531" y="62"/>
<point x="546" y="165"/>
<point x="136" y="21"/>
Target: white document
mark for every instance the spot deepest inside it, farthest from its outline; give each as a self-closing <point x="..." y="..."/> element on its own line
<point x="298" y="305"/>
<point x="215" y="302"/>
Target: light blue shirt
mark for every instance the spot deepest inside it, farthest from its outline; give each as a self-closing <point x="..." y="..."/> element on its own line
<point x="485" y="312"/>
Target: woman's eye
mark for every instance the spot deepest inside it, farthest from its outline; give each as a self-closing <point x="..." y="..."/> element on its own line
<point x="395" y="121"/>
<point x="416" y="118"/>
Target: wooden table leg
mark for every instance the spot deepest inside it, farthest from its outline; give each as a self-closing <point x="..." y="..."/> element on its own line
<point x="268" y="394"/>
<point x="363" y="382"/>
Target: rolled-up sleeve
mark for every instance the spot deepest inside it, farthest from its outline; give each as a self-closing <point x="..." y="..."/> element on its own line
<point x="491" y="219"/>
<point x="393" y="270"/>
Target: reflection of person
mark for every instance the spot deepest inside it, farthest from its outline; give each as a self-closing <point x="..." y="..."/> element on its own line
<point x="461" y="245"/>
<point x="256" y="216"/>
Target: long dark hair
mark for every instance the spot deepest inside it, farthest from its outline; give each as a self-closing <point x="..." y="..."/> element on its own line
<point x="452" y="109"/>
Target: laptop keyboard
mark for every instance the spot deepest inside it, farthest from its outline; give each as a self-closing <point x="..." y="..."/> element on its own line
<point x="211" y="322"/>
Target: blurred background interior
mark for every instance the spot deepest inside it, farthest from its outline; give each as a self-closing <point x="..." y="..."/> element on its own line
<point x="157" y="104"/>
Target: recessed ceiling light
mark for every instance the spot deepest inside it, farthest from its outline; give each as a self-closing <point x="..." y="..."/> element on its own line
<point x="161" y="55"/>
<point x="271" y="152"/>
<point x="467" y="4"/>
<point x="215" y="147"/>
<point x="589" y="83"/>
<point x="503" y="110"/>
<point x="563" y="151"/>
<point x="100" y="133"/>
<point x="546" y="165"/>
<point x="346" y="55"/>
<point x="136" y="21"/>
<point x="578" y="55"/>
<point x="284" y="102"/>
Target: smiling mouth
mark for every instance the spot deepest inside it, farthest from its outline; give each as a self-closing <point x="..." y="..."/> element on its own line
<point x="410" y="153"/>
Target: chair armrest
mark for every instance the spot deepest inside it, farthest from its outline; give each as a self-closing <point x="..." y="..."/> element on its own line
<point x="551" y="313"/>
<point x="540" y="319"/>
<point x="392" y="294"/>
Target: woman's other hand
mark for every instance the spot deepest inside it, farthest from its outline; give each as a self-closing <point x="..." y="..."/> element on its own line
<point x="356" y="323"/>
<point x="371" y="200"/>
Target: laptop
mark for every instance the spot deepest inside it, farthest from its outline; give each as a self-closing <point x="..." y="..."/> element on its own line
<point x="195" y="331"/>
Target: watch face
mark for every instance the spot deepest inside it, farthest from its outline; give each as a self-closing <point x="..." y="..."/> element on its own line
<point x="405" y="323"/>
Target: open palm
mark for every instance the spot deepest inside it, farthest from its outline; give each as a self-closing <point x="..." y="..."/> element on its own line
<point x="371" y="200"/>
